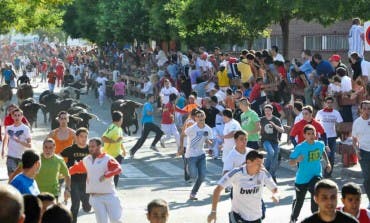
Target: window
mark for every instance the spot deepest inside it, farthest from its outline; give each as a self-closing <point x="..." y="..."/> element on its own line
<point x="313" y="43"/>
<point x="336" y="42"/>
<point x="277" y="41"/>
<point x="259" y="44"/>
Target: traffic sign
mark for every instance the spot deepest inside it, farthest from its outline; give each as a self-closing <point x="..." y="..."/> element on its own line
<point x="367" y="35"/>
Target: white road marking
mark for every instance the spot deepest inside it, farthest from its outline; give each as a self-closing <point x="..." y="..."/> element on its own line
<point x="131" y="171"/>
<point x="168" y="168"/>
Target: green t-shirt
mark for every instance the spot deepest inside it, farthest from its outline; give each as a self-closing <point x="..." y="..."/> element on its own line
<point x="248" y="123"/>
<point x="113" y="132"/>
<point x="48" y="177"/>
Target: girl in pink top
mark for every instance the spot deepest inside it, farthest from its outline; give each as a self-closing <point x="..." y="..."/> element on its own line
<point x="119" y="89"/>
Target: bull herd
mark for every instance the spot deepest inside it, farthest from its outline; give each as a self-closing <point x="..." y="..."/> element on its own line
<point x="67" y="100"/>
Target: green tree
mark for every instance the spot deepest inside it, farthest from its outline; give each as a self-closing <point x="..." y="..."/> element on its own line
<point x="218" y="21"/>
<point x="79" y="21"/>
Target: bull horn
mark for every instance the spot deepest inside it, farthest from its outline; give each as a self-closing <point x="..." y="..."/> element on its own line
<point x="95" y="116"/>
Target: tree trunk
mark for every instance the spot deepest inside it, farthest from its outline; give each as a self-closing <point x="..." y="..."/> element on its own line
<point x="250" y="42"/>
<point x="284" y="24"/>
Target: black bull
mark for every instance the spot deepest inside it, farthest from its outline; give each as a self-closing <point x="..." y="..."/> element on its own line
<point x="127" y="107"/>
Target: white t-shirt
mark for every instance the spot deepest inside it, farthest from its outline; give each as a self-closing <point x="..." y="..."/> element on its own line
<point x="235" y="159"/>
<point x="345" y="84"/>
<point x="328" y="121"/>
<point x="365" y="68"/>
<point x="279" y="57"/>
<point x="115" y="74"/>
<point x="332" y="88"/>
<point x="229" y="143"/>
<point x="101" y="81"/>
<point x="196" y="139"/>
<point x="22" y="132"/>
<point x="220" y="95"/>
<point x="247" y="191"/>
<point x="361" y="129"/>
<point x="189" y="122"/>
<point x="165" y="94"/>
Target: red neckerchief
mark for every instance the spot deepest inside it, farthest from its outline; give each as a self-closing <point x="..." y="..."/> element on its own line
<point x="327" y="109"/>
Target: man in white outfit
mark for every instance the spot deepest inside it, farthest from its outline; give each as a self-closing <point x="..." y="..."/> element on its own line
<point x="166" y="90"/>
<point x="356" y="38"/>
<point x="101" y="80"/>
<point x="100" y="169"/>
<point x="231" y="126"/>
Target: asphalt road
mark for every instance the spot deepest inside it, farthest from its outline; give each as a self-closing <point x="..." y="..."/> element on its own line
<point x="160" y="175"/>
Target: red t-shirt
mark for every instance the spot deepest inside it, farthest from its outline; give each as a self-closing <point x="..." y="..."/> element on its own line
<point x="44" y="67"/>
<point x="52" y="77"/>
<point x="59" y="70"/>
<point x="255" y="93"/>
<point x="282" y="72"/>
<point x="297" y="129"/>
<point x="168" y="112"/>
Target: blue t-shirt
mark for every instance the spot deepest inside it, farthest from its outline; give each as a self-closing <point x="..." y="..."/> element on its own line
<point x="201" y="89"/>
<point x="310" y="166"/>
<point x="148" y="107"/>
<point x="8" y="75"/>
<point x="25" y="185"/>
<point x="324" y="68"/>
<point x="247" y="92"/>
<point x="172" y="70"/>
<point x="306" y="68"/>
<point x="181" y="102"/>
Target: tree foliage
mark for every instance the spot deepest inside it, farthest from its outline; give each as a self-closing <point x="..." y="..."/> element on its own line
<point x="25" y="16"/>
<point x="199" y="22"/>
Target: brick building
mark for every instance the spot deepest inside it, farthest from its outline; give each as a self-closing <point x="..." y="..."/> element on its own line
<point x="310" y="35"/>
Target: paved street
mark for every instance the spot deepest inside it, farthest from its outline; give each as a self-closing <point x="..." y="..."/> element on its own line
<point x="160" y="175"/>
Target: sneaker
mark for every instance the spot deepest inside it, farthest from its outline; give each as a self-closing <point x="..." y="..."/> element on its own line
<point x="154" y="148"/>
<point x="189" y="181"/>
<point x="193" y="198"/>
<point x="162" y="143"/>
<point x="86" y="207"/>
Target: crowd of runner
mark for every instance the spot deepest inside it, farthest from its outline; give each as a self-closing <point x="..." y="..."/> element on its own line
<point x="213" y="104"/>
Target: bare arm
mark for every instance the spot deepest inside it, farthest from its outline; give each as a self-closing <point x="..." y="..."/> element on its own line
<point x="5" y="142"/>
<point x="215" y="199"/>
<point x="257" y="128"/>
<point x="26" y="143"/>
<point x="293" y="162"/>
<point x="278" y="128"/>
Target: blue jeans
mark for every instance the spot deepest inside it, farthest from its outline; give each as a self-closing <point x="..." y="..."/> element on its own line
<point x="271" y="162"/>
<point x="331" y="155"/>
<point x="197" y="170"/>
<point x="365" y="167"/>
